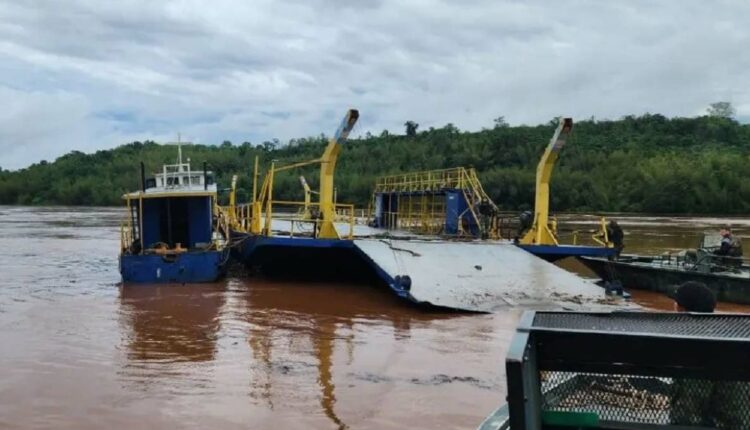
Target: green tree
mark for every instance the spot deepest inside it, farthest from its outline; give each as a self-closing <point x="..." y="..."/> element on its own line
<point x="721" y="110"/>
<point x="500" y="122"/>
<point x="411" y="128"/>
<point x="636" y="163"/>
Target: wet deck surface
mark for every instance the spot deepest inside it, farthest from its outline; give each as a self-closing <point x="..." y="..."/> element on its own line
<point x="483" y="276"/>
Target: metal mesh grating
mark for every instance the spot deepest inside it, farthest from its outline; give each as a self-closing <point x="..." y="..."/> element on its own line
<point x="677" y="324"/>
<point x="649" y="400"/>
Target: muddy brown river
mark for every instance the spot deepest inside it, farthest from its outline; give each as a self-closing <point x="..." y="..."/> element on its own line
<point x="80" y="351"/>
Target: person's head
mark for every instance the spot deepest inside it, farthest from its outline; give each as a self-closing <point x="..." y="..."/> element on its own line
<point x="725" y="230"/>
<point x="694" y="297"/>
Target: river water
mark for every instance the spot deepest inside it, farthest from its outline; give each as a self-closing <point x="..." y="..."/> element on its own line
<point x="80" y="351"/>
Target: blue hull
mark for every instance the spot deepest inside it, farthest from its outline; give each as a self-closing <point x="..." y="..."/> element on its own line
<point x="190" y="267"/>
<point x="325" y="258"/>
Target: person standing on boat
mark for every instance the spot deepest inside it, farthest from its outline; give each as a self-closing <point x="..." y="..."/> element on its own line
<point x="730" y="247"/>
<point x="715" y="404"/>
<point x="616" y="236"/>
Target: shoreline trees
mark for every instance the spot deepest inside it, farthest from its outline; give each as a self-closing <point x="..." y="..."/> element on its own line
<point x="647" y="163"/>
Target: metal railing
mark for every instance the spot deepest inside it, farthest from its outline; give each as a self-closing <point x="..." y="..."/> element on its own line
<point x="126" y="235"/>
<point x="430" y="180"/>
<point x="303" y="217"/>
<point x="421" y="207"/>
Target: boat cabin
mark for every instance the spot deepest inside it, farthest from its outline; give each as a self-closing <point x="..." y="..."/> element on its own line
<point x="172" y="213"/>
<point x="180" y="178"/>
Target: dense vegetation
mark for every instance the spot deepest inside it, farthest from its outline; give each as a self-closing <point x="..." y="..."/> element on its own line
<point x="637" y="164"/>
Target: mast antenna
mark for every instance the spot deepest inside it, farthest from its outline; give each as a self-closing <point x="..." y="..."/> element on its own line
<point x="179" y="149"/>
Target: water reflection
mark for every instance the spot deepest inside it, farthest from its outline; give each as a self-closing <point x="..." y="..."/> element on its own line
<point x="305" y="342"/>
<point x="295" y="322"/>
<point x="171" y="323"/>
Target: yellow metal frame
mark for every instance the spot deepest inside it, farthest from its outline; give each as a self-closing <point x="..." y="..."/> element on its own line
<point x="602" y="236"/>
<point x="307" y="209"/>
<point x="430" y="180"/>
<point x="426" y="213"/>
<point x="258" y="217"/>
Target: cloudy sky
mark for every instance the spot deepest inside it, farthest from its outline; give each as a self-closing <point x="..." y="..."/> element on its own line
<point x="92" y="74"/>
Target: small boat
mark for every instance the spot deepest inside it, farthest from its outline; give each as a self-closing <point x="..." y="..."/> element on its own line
<point x="170" y="232"/>
<point x="727" y="277"/>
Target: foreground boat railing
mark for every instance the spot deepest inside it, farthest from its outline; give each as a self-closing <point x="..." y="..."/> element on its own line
<point x="627" y="370"/>
<point x="704" y="260"/>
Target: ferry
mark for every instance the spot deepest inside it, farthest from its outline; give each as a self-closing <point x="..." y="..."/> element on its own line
<point x="171" y="232"/>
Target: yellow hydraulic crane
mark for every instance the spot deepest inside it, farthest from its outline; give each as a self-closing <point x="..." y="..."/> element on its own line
<point x="542" y="231"/>
<point x="326" y="204"/>
<point x="327" y="170"/>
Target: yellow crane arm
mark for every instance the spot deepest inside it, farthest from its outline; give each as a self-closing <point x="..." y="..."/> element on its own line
<point x="327" y="169"/>
<point x="540" y="232"/>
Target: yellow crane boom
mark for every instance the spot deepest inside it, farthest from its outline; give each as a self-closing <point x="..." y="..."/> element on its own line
<point x="542" y="232"/>
<point x="327" y="194"/>
<point x="327" y="170"/>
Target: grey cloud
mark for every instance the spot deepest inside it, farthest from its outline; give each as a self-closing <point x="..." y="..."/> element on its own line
<point x="98" y="74"/>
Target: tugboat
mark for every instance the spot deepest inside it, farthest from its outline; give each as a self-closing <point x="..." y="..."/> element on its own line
<point x="171" y="233"/>
<point x="728" y="277"/>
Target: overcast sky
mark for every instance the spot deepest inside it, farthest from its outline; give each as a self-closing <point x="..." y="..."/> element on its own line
<point x="92" y="74"/>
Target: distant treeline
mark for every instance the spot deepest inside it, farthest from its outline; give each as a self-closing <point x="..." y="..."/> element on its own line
<point x="646" y="163"/>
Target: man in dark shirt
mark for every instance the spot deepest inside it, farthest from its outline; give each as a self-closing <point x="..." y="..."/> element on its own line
<point x="726" y="241"/>
<point x="616" y="236"/>
<point x="730" y="249"/>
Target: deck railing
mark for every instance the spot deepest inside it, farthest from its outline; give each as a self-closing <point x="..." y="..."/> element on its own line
<point x="304" y="218"/>
<point x="429" y="180"/>
<point x="126" y="234"/>
<point x="421" y="208"/>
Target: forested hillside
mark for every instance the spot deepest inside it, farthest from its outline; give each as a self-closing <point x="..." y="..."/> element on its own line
<point x="637" y="164"/>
